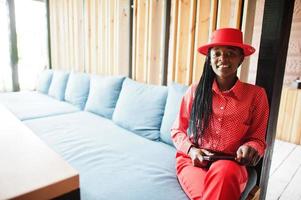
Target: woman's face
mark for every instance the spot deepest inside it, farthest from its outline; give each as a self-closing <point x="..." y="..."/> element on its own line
<point x="225" y="60"/>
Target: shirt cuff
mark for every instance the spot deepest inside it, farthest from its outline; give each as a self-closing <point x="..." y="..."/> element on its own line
<point x="256" y="146"/>
<point x="186" y="145"/>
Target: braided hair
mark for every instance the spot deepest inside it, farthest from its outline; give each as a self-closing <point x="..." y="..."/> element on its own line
<point x="202" y="105"/>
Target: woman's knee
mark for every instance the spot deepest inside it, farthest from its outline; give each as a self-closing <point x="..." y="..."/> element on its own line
<point x="227" y="169"/>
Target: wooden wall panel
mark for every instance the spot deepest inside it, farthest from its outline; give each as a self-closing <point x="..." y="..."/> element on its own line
<point x="281" y="117"/>
<point x="61" y="39"/>
<point x="111" y="36"/>
<point x="172" y="41"/>
<point x="185" y="41"/>
<point x="247" y="28"/>
<point x="213" y="16"/>
<point x="203" y="21"/>
<point x="70" y="12"/>
<point x="293" y="61"/>
<point x="288" y="124"/>
<point x="148" y="40"/>
<point x="224" y="13"/>
<point x="66" y="33"/>
<point x="66" y="18"/>
<point x="93" y="36"/>
<point x="84" y="35"/>
<point x="96" y="51"/>
<point x="229" y="13"/>
<point x="155" y="42"/>
<point x="289" y="120"/>
<point x="122" y="34"/>
<point x="103" y="50"/>
<point x="296" y="126"/>
<point x="87" y="33"/>
<point x="63" y="34"/>
<point x="53" y="34"/>
<point x="192" y="23"/>
<point x="78" y="32"/>
<point x="134" y="38"/>
<point x="141" y="40"/>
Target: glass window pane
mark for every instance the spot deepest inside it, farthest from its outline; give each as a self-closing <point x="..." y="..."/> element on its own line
<point x="5" y="69"/>
<point x="31" y="27"/>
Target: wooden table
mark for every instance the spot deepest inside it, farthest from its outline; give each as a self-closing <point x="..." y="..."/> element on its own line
<point x="29" y="169"/>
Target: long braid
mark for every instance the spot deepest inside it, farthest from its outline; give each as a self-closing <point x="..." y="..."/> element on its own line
<point x="202" y="104"/>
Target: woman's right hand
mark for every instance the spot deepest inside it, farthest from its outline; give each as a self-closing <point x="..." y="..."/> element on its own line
<point x="196" y="156"/>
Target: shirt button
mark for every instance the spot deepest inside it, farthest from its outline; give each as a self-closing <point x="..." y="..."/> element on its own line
<point x="219" y="119"/>
<point x="222" y="107"/>
<point x="216" y="131"/>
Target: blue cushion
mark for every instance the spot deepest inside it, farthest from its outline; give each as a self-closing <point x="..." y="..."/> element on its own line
<point x="104" y="92"/>
<point x="112" y="162"/>
<point x="77" y="89"/>
<point x="58" y="85"/>
<point x="44" y="81"/>
<point x="140" y="108"/>
<point x="175" y="94"/>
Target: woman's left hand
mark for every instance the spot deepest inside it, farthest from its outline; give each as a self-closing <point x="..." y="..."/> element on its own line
<point x="247" y="155"/>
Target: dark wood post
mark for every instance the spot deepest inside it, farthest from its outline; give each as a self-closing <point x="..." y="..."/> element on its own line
<point x="276" y="27"/>
<point x="13" y="45"/>
<point x="48" y="34"/>
<point x="167" y="5"/>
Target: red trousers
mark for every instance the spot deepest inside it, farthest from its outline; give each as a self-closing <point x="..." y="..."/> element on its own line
<point x="223" y="180"/>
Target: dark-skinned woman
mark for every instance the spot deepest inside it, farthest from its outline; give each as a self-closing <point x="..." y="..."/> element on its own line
<point x="220" y="115"/>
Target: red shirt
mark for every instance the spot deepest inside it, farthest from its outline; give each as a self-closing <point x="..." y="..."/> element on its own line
<point x="239" y="117"/>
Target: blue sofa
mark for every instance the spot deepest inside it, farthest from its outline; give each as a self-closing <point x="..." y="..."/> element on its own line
<point x="113" y="130"/>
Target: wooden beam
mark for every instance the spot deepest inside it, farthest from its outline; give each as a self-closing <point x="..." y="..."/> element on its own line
<point x="154" y="57"/>
<point x="191" y="41"/>
<point x="130" y="73"/>
<point x="173" y="41"/>
<point x="224" y="13"/>
<point x="87" y="35"/>
<point x="122" y="35"/>
<point x="238" y="12"/>
<point x="247" y="28"/>
<point x="134" y="8"/>
<point x="48" y="34"/>
<point x="142" y="20"/>
<point x="185" y="41"/>
<point x="13" y="45"/>
<point x="213" y="16"/>
<point x="166" y="31"/>
<point x="201" y="37"/>
<point x="276" y="26"/>
<point x="81" y="35"/>
<point x="111" y="7"/>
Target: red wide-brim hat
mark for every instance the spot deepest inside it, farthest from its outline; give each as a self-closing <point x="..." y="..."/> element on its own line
<point x="227" y="37"/>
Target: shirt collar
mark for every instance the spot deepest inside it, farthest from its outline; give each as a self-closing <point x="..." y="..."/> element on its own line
<point x="236" y="90"/>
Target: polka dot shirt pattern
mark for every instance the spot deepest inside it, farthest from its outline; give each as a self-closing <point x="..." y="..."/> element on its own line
<point x="240" y="117"/>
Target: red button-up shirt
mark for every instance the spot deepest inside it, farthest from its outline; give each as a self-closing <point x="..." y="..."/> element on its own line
<point x="239" y="117"/>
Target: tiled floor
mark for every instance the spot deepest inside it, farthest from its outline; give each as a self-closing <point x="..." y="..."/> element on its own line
<point x="285" y="174"/>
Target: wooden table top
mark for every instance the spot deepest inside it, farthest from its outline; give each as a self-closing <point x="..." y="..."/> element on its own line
<point x="29" y="169"/>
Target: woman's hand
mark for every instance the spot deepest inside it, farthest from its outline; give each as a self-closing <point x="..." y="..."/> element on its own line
<point x="247" y="155"/>
<point x="196" y="156"/>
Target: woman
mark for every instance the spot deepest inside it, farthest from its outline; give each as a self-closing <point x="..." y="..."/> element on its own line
<point x="220" y="116"/>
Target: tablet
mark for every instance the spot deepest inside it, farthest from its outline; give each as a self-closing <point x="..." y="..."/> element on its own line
<point x="218" y="157"/>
